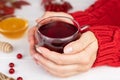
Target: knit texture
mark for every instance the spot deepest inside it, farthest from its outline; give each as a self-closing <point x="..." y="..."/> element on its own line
<point x="109" y="45"/>
<point x="104" y="20"/>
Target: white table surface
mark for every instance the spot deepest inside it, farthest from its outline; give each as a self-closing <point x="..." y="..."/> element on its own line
<point x="28" y="69"/>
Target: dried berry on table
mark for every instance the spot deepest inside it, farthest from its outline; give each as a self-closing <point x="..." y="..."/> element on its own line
<point x="11" y="64"/>
<point x="11" y="71"/>
<point x="19" y="56"/>
<point x="19" y="78"/>
<point x="6" y="47"/>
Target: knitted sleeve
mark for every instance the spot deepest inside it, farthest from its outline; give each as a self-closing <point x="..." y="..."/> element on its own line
<point x="109" y="45"/>
<point x="104" y="20"/>
<point x="102" y="12"/>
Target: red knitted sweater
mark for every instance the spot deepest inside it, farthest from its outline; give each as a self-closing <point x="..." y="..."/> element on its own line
<point x="104" y="20"/>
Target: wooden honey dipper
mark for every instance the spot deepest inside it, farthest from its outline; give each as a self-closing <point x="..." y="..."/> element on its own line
<point x="6" y="47"/>
<point x="4" y="77"/>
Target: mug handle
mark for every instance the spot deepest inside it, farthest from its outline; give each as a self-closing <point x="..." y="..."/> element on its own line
<point x="84" y="28"/>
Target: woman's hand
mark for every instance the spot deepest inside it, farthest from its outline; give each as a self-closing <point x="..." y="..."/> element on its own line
<point x="78" y="56"/>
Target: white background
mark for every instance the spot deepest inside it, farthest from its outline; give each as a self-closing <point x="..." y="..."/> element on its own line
<point x="28" y="69"/>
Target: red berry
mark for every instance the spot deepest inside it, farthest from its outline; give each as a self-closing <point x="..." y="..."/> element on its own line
<point x="11" y="64"/>
<point x="11" y="71"/>
<point x="19" y="78"/>
<point x="19" y="56"/>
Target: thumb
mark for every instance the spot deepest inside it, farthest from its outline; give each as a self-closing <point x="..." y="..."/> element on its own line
<point x="84" y="41"/>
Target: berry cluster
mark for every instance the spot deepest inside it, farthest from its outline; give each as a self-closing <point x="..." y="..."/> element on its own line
<point x="12" y="65"/>
<point x="7" y="7"/>
<point x="53" y="5"/>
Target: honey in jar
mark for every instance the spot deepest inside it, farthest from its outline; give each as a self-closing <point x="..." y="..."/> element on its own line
<point x="13" y="27"/>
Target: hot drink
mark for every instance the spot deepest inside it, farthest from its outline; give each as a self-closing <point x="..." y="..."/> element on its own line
<point x="56" y="35"/>
<point x="58" y="29"/>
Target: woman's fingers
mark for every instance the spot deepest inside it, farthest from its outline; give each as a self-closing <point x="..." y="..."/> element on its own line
<point x="82" y="43"/>
<point x="32" y="40"/>
<point x="78" y="58"/>
<point x="55" y="67"/>
<point x="61" y="70"/>
<point x="31" y="34"/>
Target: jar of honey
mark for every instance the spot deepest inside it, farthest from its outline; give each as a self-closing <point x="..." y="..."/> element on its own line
<point x="13" y="27"/>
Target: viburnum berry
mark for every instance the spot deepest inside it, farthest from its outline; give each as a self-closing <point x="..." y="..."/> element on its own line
<point x="53" y="5"/>
<point x="11" y="71"/>
<point x="19" y="56"/>
<point x="11" y="64"/>
<point x="19" y="78"/>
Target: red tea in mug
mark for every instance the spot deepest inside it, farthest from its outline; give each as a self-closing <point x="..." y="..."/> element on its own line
<point x="56" y="35"/>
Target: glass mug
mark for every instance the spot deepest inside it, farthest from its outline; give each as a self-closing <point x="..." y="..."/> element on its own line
<point x="56" y="32"/>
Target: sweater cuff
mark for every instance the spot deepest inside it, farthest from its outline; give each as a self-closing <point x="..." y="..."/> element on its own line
<point x="109" y="45"/>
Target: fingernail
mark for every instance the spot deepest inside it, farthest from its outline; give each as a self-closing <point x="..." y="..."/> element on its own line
<point x="39" y="50"/>
<point x="68" y="50"/>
